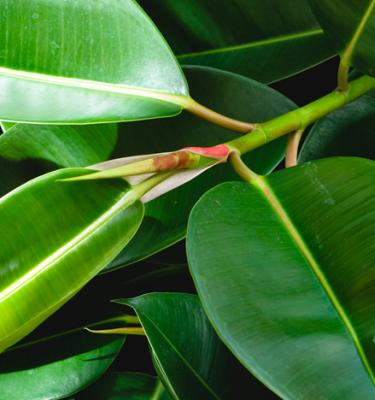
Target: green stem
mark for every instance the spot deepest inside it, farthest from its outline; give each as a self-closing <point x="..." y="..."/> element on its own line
<point x="241" y="168"/>
<point x="218" y="119"/>
<point x="302" y="117"/>
<point x="342" y="76"/>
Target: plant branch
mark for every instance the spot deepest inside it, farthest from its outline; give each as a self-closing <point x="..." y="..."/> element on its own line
<point x="343" y="76"/>
<point x="301" y="117"/>
<point x="212" y="116"/>
<point x="241" y="168"/>
<point x="129" y="330"/>
<point x="291" y="153"/>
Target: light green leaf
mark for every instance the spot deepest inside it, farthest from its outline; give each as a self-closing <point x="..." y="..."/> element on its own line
<point x="351" y="26"/>
<point x="263" y="40"/>
<point x="84" y="62"/>
<point x="56" y="367"/>
<point x="66" y="146"/>
<point x="189" y="355"/>
<point x="284" y="267"/>
<point x="166" y="217"/>
<point x="349" y="131"/>
<point x="126" y="385"/>
<point x="56" y="236"/>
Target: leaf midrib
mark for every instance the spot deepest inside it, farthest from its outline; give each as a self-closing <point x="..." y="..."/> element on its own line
<point x="357" y="34"/>
<point x="52" y="259"/>
<point x="85" y="84"/>
<point x="185" y="361"/>
<point x="264" y="42"/>
<point x="261" y="184"/>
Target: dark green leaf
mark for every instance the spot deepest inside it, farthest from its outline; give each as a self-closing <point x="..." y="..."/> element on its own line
<point x="188" y="352"/>
<point x="285" y="270"/>
<point x="56" y="236"/>
<point x="349" y="131"/>
<point x="83" y="62"/>
<point x="67" y="146"/>
<point x="166" y="217"/>
<point x="56" y="367"/>
<point x="351" y="26"/>
<point x="126" y="386"/>
<point x="264" y="40"/>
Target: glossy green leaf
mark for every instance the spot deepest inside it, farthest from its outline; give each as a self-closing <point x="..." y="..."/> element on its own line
<point x="188" y="352"/>
<point x="264" y="40"/>
<point x="84" y="62"/>
<point x="6" y="125"/>
<point x="351" y="26"/>
<point x="349" y="131"/>
<point x="67" y="146"/>
<point x="56" y="367"/>
<point x="56" y="236"/>
<point x="284" y="267"/>
<point x="166" y="217"/>
<point x="126" y="386"/>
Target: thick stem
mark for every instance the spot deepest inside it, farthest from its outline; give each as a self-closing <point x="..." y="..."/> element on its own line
<point x="302" y="117"/>
<point x="218" y="119"/>
<point x="343" y="76"/>
<point x="291" y="153"/>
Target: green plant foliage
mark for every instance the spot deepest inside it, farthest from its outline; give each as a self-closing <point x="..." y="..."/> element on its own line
<point x="166" y="217"/>
<point x="126" y="385"/>
<point x="237" y="36"/>
<point x="70" y="231"/>
<point x="56" y="367"/>
<point x="298" y="303"/>
<point x="66" y="146"/>
<point x="84" y="61"/>
<point x="195" y="369"/>
<point x="349" y="131"/>
<point x="351" y="26"/>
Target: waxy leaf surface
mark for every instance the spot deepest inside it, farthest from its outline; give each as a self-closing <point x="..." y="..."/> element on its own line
<point x="351" y="26"/>
<point x="56" y="367"/>
<point x="126" y="385"/>
<point x="84" y="62"/>
<point x="191" y="360"/>
<point x="284" y="267"/>
<point x="66" y="146"/>
<point x="263" y="40"/>
<point x="56" y="236"/>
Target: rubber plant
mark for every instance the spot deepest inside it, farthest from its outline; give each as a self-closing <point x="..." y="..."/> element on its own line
<point x="129" y="126"/>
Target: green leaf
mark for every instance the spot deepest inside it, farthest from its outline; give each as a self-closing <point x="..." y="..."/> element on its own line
<point x="56" y="237"/>
<point x="56" y="367"/>
<point x="349" y="131"/>
<point x="67" y="146"/>
<point x="263" y="40"/>
<point x="166" y="217"/>
<point x="84" y="62"/>
<point x="6" y="125"/>
<point x="351" y="26"/>
<point x="126" y="385"/>
<point x="284" y="269"/>
<point x="187" y="350"/>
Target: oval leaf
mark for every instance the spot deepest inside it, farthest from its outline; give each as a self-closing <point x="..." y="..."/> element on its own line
<point x="66" y="146"/>
<point x="166" y="217"/>
<point x="126" y="385"/>
<point x="349" y="131"/>
<point x="266" y="41"/>
<point x="83" y="62"/>
<point x="56" y="367"/>
<point x="70" y="231"/>
<point x="188" y="352"/>
<point x="351" y="26"/>
<point x="284" y="268"/>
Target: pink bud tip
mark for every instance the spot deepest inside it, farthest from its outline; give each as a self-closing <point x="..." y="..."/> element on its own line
<point x="219" y="151"/>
